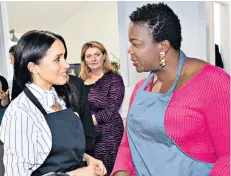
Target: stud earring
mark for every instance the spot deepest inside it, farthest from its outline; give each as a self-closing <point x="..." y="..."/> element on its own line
<point x="162" y="59"/>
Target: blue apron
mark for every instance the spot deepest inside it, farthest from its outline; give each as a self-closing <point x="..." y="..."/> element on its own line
<point x="154" y="153"/>
<point x="68" y="140"/>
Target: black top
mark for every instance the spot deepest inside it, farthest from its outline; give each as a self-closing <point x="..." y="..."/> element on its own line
<point x="88" y="87"/>
<point x="4" y="86"/>
<point x="84" y="111"/>
<point x="218" y="59"/>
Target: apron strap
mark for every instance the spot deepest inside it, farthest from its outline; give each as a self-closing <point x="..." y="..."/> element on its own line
<point x="147" y="80"/>
<point x="182" y="59"/>
<point x="34" y="100"/>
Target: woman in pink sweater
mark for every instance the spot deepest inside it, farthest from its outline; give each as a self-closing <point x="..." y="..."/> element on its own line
<point x="179" y="118"/>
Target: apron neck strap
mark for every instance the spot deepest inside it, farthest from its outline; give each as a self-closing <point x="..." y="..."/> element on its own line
<point x="182" y="59"/>
<point x="34" y="100"/>
<point x="147" y="80"/>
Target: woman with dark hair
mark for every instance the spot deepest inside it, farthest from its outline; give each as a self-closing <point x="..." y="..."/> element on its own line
<point x="179" y="117"/>
<point x="41" y="130"/>
<point x="82" y="109"/>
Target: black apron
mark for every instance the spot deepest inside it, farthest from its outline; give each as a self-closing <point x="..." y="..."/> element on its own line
<point x="68" y="140"/>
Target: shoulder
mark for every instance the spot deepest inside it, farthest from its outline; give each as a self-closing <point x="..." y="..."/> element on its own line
<point x="207" y="80"/>
<point x="206" y="71"/>
<point x="19" y="104"/>
<point x="218" y="79"/>
<point x="22" y="106"/>
<point x="113" y="76"/>
<point x="212" y="73"/>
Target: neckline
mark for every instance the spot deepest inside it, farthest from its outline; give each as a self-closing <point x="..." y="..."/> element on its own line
<point x="184" y="85"/>
<point x="106" y="73"/>
<point x="193" y="78"/>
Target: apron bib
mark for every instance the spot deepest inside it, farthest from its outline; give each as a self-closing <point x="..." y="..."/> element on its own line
<point x="154" y="153"/>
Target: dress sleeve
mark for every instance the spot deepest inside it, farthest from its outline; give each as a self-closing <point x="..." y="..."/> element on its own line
<point x="115" y="100"/>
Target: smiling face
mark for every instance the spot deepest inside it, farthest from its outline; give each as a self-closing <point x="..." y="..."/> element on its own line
<point x="144" y="52"/>
<point x="94" y="59"/>
<point x="52" y="69"/>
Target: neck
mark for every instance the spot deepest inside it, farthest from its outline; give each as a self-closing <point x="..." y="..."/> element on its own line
<point x="170" y="69"/>
<point x="42" y="84"/>
<point x="97" y="73"/>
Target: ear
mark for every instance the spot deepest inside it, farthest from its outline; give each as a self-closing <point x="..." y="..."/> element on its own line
<point x="33" y="68"/>
<point x="165" y="45"/>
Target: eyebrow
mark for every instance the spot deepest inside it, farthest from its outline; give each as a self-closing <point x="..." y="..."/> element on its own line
<point x="59" y="54"/>
<point x="132" y="39"/>
<point x="94" y="53"/>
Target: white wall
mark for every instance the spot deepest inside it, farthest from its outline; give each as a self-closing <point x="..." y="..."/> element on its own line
<point x="93" y="21"/>
<point x="225" y="35"/>
<point x="5" y="68"/>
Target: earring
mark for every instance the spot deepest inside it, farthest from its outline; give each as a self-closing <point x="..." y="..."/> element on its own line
<point x="162" y="59"/>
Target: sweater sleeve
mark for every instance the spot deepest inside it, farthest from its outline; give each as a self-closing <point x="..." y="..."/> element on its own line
<point x="124" y="157"/>
<point x="115" y="100"/>
<point x="218" y="122"/>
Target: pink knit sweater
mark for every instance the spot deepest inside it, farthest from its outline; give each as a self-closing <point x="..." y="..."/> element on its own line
<point x="197" y="119"/>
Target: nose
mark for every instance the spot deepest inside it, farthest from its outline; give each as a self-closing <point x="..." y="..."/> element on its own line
<point x="130" y="49"/>
<point x="65" y="64"/>
<point x="93" y="58"/>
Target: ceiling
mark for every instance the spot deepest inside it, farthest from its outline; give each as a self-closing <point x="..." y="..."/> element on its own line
<point x="27" y="15"/>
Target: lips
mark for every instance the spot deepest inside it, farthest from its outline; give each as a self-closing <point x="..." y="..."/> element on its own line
<point x="63" y="74"/>
<point x="134" y="63"/>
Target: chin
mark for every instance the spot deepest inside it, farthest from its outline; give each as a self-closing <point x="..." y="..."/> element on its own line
<point x="61" y="82"/>
<point x="139" y="70"/>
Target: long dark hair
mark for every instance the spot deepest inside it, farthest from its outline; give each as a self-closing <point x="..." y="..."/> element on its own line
<point x="32" y="47"/>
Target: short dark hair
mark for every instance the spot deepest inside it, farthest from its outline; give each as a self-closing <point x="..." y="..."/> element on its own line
<point x="32" y="47"/>
<point x="12" y="48"/>
<point x="163" y="22"/>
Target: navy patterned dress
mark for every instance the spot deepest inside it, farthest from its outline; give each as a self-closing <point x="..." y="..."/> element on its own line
<point x="105" y="99"/>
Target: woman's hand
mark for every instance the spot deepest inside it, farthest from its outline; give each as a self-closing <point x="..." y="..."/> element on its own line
<point x="98" y="165"/>
<point x="3" y="94"/>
